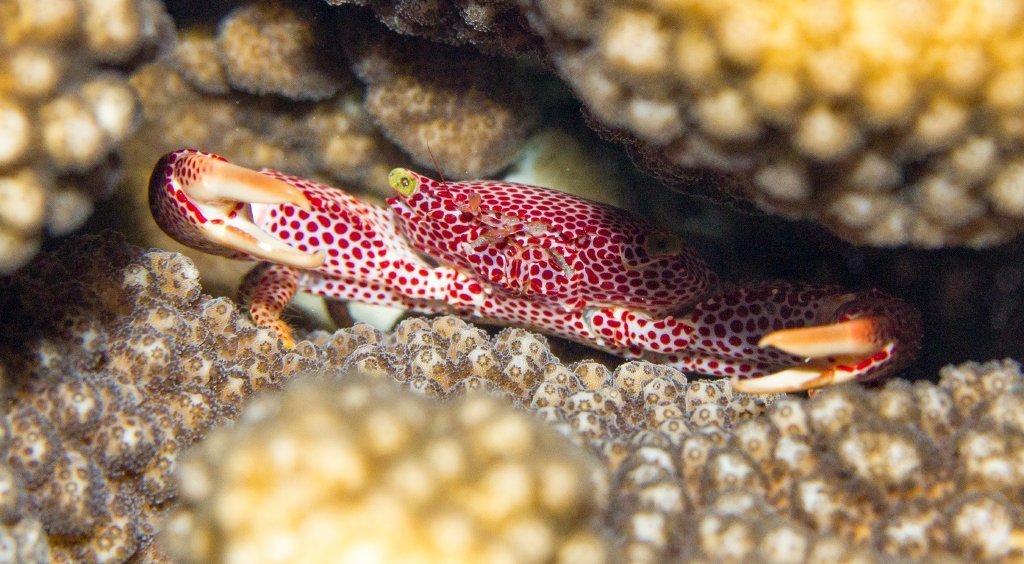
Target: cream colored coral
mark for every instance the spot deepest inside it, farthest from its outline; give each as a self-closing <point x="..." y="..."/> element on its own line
<point x="63" y="112"/>
<point x="359" y="470"/>
<point x="270" y="48"/>
<point x="438" y="103"/>
<point x="930" y="89"/>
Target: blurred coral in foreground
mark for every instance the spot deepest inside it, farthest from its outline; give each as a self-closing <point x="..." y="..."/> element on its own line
<point x="127" y="363"/>
<point x="359" y="471"/>
<point x="64" y="110"/>
<point x="889" y="122"/>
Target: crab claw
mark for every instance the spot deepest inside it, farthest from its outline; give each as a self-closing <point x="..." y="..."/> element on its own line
<point x="241" y="234"/>
<point x="212" y="180"/>
<point x="856" y="337"/>
<point x="875" y="335"/>
<point x="212" y="196"/>
<point x="817" y="373"/>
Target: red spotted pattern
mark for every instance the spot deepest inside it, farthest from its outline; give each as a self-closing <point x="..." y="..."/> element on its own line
<point x="557" y="249"/>
<point x="531" y="257"/>
<point x="172" y="209"/>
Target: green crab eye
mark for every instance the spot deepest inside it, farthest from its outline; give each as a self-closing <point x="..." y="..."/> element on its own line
<point x="663" y="244"/>
<point x="403" y="181"/>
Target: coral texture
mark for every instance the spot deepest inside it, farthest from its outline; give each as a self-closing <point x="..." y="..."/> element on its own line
<point x="64" y="110"/>
<point x="127" y="363"/>
<point x="494" y="26"/>
<point x="472" y="112"/>
<point x="889" y="122"/>
<point x="358" y="469"/>
<point x="273" y="48"/>
<point x="705" y="474"/>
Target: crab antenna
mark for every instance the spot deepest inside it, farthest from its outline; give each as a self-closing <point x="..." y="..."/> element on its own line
<point x="434" y="159"/>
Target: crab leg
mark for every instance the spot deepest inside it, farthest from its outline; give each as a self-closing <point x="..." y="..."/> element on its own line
<point x="773" y="337"/>
<point x="267" y="289"/>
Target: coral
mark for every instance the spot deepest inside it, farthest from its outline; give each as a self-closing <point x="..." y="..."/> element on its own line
<point x="130" y="363"/>
<point x="493" y="26"/>
<point x="849" y="473"/>
<point x="64" y="110"/>
<point x="889" y="123"/>
<point x="188" y="102"/>
<point x="271" y="48"/>
<point x="472" y="112"/>
<point x="838" y="476"/>
<point x="126" y="364"/>
<point x="353" y="469"/>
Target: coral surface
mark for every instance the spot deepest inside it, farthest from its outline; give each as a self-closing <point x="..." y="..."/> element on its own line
<point x="494" y="26"/>
<point x="127" y="363"/>
<point x="64" y="110"/>
<point x="889" y="122"/>
<point x="472" y="112"/>
<point x="273" y="48"/>
<point x="355" y="470"/>
<point x="130" y="363"/>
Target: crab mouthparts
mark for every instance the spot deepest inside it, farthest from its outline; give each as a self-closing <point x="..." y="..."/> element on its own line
<point x="223" y="191"/>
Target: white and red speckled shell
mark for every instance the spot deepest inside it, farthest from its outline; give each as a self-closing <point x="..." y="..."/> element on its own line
<point x="616" y="297"/>
<point x="172" y="209"/>
<point x="604" y="246"/>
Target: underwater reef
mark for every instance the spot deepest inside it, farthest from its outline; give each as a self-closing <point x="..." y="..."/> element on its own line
<point x="472" y="446"/>
<point x="144" y="417"/>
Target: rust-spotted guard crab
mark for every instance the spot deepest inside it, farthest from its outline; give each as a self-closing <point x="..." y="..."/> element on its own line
<point x="532" y="257"/>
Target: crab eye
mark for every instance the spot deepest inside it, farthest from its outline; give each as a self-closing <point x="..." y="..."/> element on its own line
<point x="403" y="181"/>
<point x="663" y="244"/>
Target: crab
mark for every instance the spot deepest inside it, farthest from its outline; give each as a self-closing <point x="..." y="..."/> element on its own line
<point x="513" y="254"/>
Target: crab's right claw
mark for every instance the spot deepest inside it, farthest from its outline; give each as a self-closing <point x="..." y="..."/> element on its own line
<point x="214" y="196"/>
<point x="817" y="373"/>
<point x="854" y="337"/>
<point x="211" y="180"/>
<point x="836" y="353"/>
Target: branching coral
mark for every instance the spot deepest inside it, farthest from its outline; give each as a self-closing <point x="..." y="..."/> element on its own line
<point x="470" y="111"/>
<point x="494" y="26"/>
<point x="270" y="48"/>
<point x="909" y="471"/>
<point x="64" y="110"/>
<point x="359" y="470"/>
<point x="889" y="122"/>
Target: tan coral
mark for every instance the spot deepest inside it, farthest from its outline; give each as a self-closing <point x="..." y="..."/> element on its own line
<point x="887" y="128"/>
<point x="101" y="404"/>
<point x="494" y="27"/>
<point x="388" y="475"/>
<point x="63" y="113"/>
<point x="271" y="48"/>
<point x="469" y="111"/>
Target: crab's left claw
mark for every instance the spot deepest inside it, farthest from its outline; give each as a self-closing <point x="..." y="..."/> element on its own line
<point x="874" y="335"/>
